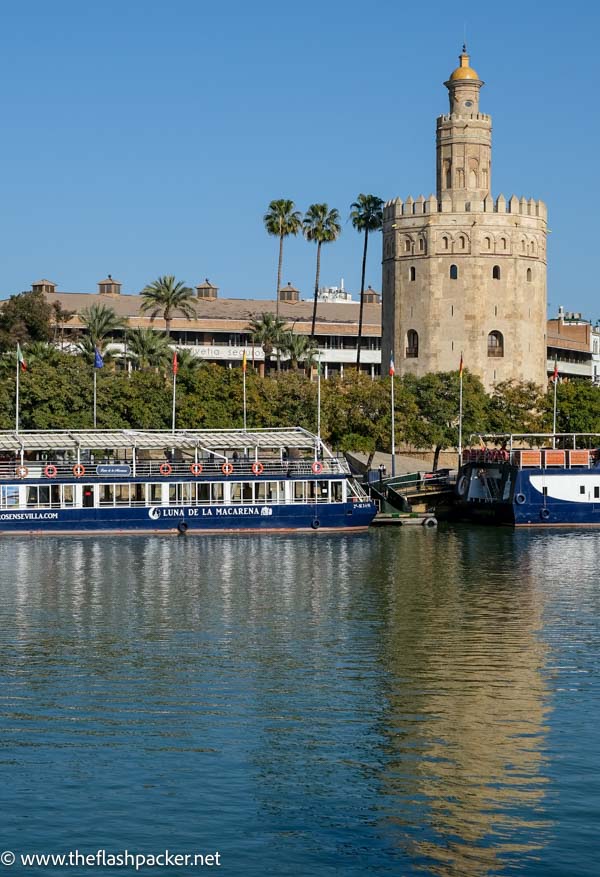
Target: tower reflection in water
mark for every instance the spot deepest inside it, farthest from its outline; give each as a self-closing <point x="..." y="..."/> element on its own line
<point x="464" y="777"/>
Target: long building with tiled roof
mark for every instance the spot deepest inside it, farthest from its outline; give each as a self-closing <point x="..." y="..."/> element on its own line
<point x="220" y="332"/>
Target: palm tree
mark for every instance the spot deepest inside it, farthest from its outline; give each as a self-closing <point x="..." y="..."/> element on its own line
<point x="165" y="296"/>
<point x="280" y="221"/>
<point x="42" y="351"/>
<point x="101" y="322"/>
<point x="148" y="349"/>
<point x="187" y="362"/>
<point x="366" y="215"/>
<point x="267" y="330"/>
<point x="322" y="225"/>
<point x="299" y="348"/>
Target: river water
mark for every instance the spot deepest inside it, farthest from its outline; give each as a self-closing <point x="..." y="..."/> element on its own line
<point x="397" y="702"/>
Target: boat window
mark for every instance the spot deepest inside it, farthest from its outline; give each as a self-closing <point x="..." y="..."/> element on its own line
<point x="582" y="488"/>
<point x="310" y="491"/>
<point x="154" y="494"/>
<point x="55" y="495"/>
<point x="322" y="491"/>
<point x="9" y="497"/>
<point x="137" y="494"/>
<point x="247" y="491"/>
<point x="596" y="492"/>
<point x="203" y="492"/>
<point x="87" y="496"/>
<point x="44" y="496"/>
<point x="267" y="491"/>
<point x="299" y="491"/>
<point x="121" y="494"/>
<point x="181" y="494"/>
<point x="336" y="491"/>
<point x="67" y="494"/>
<point x="107" y="494"/>
<point x="236" y="492"/>
<point x="32" y="496"/>
<point x="216" y="492"/>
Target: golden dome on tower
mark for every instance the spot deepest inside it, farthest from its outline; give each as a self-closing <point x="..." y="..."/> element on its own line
<point x="465" y="71"/>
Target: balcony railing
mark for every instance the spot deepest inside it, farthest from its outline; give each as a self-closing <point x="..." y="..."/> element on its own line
<point x="156" y="470"/>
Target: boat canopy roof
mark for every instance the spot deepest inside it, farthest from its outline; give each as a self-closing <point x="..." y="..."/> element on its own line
<point x="207" y="439"/>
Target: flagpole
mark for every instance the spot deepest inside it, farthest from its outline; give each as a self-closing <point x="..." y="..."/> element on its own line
<point x="174" y="396"/>
<point x="17" y="398"/>
<point x="244" y="380"/>
<point x="319" y="396"/>
<point x="94" y="397"/>
<point x="393" y="430"/>
<point x="460" y="410"/>
<point x="554" y="415"/>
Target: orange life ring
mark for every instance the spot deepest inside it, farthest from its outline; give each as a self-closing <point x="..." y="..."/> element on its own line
<point x="22" y="472"/>
<point x="317" y="467"/>
<point x="50" y="471"/>
<point x="78" y="470"/>
<point x="226" y="468"/>
<point x="257" y="468"/>
<point x="165" y="469"/>
<point x="196" y="468"/>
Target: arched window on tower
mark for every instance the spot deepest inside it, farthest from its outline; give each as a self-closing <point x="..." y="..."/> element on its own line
<point x="495" y="344"/>
<point x="487" y="243"/>
<point x="462" y="242"/>
<point x="496" y="272"/>
<point x="407" y="245"/>
<point x="532" y="248"/>
<point x="445" y="242"/>
<point x="421" y="245"/>
<point x="529" y="275"/>
<point x="413" y="272"/>
<point x="453" y="272"/>
<point x="412" y="344"/>
<point x="504" y="244"/>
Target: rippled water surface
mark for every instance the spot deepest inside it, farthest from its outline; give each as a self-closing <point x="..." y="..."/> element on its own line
<point x="389" y="703"/>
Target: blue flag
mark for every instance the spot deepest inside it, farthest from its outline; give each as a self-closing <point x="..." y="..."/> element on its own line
<point x="98" y="361"/>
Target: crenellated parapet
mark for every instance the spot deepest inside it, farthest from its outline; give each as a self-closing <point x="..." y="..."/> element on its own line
<point x="449" y="203"/>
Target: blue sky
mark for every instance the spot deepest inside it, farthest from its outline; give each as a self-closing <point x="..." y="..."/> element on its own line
<point x="143" y="138"/>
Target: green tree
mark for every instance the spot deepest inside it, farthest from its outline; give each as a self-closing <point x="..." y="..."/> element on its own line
<point x="148" y="349"/>
<point x="437" y="400"/>
<point x="321" y="225"/>
<point x="299" y="348"/>
<point x="516" y="406"/>
<point x="101" y="322"/>
<point x="25" y="317"/>
<point x="267" y="330"/>
<point x="164" y="297"/>
<point x="577" y="407"/>
<point x="281" y="220"/>
<point x="366" y="215"/>
<point x="60" y="317"/>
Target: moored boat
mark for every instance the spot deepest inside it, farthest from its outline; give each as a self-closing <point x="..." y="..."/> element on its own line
<point x="531" y="481"/>
<point x="195" y="481"/>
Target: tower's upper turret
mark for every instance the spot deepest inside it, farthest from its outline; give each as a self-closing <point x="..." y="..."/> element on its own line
<point x="464" y="138"/>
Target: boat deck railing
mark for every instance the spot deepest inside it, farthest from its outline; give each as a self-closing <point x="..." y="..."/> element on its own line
<point x="114" y="469"/>
<point x="539" y="458"/>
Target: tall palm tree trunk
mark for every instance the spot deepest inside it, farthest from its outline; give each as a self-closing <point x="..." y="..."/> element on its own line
<point x="167" y="318"/>
<point x="314" y="313"/>
<point x="279" y="264"/>
<point x="362" y="300"/>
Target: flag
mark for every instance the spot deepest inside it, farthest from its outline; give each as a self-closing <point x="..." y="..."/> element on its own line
<point x="20" y="358"/>
<point x="98" y="360"/>
<point x="392" y="369"/>
<point x="460" y="367"/>
<point x="555" y="375"/>
<point x="175" y="363"/>
<point x="244" y="362"/>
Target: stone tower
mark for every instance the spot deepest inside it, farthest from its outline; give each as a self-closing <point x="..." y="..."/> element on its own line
<point x="463" y="272"/>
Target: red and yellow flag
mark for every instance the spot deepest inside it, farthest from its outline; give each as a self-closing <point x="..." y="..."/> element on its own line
<point x="460" y="367"/>
<point x="175" y="363"/>
<point x="244" y="362"/>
